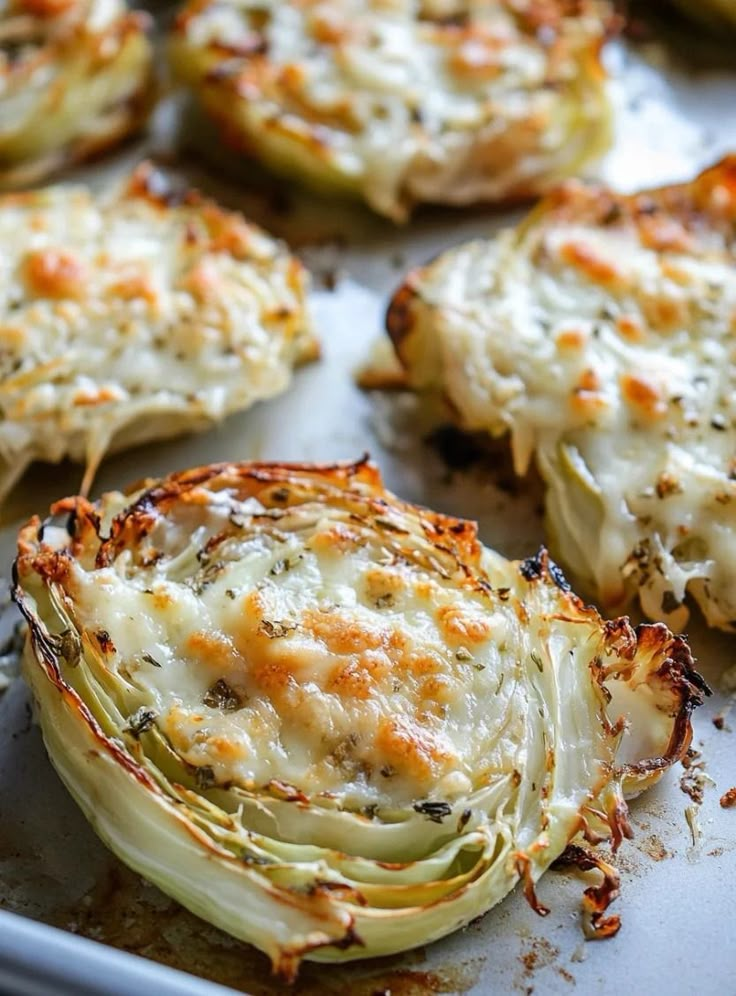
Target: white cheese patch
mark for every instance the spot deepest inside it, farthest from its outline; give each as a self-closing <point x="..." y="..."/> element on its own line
<point x="304" y="648"/>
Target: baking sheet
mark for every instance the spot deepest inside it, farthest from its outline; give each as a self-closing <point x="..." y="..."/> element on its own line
<point x="677" y="900"/>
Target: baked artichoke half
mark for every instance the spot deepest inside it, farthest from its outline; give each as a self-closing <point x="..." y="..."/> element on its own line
<point x="327" y="721"/>
<point x="600" y="335"/>
<point x="75" y="78"/>
<point x="404" y="102"/>
<point x="135" y="316"/>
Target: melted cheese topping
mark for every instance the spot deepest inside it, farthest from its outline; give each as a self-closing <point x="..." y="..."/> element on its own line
<point x="404" y="101"/>
<point x="320" y="716"/>
<point x="128" y="318"/>
<point x="601" y="334"/>
<point x="72" y="80"/>
<point x="330" y="651"/>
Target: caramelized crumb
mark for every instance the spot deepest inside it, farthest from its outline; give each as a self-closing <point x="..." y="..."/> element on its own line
<point x="54" y="273"/>
<point x="728" y="799"/>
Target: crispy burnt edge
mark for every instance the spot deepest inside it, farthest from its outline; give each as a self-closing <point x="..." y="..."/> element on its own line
<point x="83" y="525"/>
<point x="451" y="537"/>
<point x="690" y="202"/>
<point x="404" y="316"/>
<point x="596" y="898"/>
<point x="162" y="191"/>
<point x="676" y="671"/>
<point x="154" y="186"/>
<point x="137" y="106"/>
<point x="401" y="312"/>
<point x="707" y="201"/>
<point x="454" y="538"/>
<point x="689" y="689"/>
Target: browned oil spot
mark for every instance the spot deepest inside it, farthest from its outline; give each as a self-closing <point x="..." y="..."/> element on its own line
<point x="642" y="824"/>
<point x="653" y="846"/>
<point x="407" y="982"/>
<point x="629" y="862"/>
<point x="537" y="953"/>
<point x="126" y="912"/>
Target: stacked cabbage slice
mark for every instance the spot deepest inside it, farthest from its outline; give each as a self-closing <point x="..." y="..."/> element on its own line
<point x="327" y="721"/>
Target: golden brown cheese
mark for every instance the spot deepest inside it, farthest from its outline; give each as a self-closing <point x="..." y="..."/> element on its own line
<point x="136" y="316"/>
<point x="405" y="101"/>
<point x="600" y="334"/>
<point x="329" y="721"/>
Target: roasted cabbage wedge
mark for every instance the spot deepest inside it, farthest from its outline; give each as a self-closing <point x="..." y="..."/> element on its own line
<point x="404" y="101"/>
<point x="601" y="335"/>
<point x="136" y="316"/>
<point x="75" y="78"/>
<point x="327" y="721"/>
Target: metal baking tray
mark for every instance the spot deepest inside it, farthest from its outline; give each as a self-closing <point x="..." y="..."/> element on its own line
<point x="676" y="900"/>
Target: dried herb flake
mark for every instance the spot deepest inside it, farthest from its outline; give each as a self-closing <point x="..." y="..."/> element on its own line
<point x="434" y="811"/>
<point x="141" y="720"/>
<point x="204" y="776"/>
<point x="222" y="696"/>
<point x="274" y="629"/>
<point x="70" y="648"/>
<point x="464" y="819"/>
